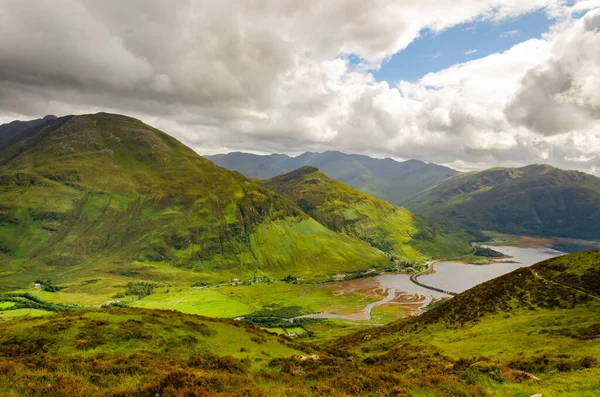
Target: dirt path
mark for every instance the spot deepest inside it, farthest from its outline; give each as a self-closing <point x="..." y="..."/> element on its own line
<point x="181" y="300"/>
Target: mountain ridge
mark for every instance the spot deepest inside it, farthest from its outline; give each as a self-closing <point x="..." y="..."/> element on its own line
<point x="346" y="210"/>
<point x="537" y="199"/>
<point x="386" y="179"/>
<point x="130" y="201"/>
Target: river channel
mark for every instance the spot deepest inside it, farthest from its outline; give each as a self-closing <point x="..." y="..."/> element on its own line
<point x="448" y="275"/>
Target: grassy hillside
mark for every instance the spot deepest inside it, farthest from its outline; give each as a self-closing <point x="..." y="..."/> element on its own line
<point x="535" y="200"/>
<point x="544" y="320"/>
<point x="128" y="352"/>
<point x="346" y="210"/>
<point x="106" y="196"/>
<point x="536" y="330"/>
<point x="386" y="179"/>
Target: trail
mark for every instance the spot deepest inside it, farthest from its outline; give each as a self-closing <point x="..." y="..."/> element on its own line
<point x="181" y="300"/>
<point x="535" y="274"/>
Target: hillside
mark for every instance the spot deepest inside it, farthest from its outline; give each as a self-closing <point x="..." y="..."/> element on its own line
<point x="346" y="210"/>
<point x="17" y="130"/>
<point x="544" y="320"/>
<point x="536" y="330"/>
<point x="535" y="200"/>
<point x="386" y="179"/>
<point x="104" y="195"/>
<point x="126" y="352"/>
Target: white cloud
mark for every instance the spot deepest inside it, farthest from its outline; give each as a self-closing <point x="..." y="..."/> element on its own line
<point x="510" y="34"/>
<point x="470" y="52"/>
<point x="275" y="76"/>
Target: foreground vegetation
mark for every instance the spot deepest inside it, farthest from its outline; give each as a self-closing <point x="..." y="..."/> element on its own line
<point x="536" y="330"/>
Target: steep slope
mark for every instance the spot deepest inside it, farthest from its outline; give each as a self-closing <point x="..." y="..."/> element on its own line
<point x="386" y="179"/>
<point x="106" y="194"/>
<point x="346" y="210"/>
<point x="544" y="320"/>
<point x="15" y="131"/>
<point x="537" y="199"/>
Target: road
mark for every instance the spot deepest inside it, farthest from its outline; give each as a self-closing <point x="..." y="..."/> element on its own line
<point x="413" y="277"/>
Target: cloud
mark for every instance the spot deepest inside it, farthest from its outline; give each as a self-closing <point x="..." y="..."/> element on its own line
<point x="289" y="76"/>
<point x="562" y="94"/>
<point x="470" y="52"/>
<point x="510" y="34"/>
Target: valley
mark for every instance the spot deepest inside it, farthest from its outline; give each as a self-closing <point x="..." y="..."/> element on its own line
<point x="173" y="275"/>
<point x="204" y="198"/>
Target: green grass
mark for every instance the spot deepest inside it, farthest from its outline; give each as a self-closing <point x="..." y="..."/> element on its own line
<point x="544" y="320"/>
<point x="17" y="314"/>
<point x="212" y="304"/>
<point x="346" y="210"/>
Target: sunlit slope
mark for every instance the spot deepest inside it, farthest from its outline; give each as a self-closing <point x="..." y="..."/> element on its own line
<point x="346" y="210"/>
<point x="130" y="352"/>
<point x="107" y="194"/>
<point x="537" y="199"/>
<point x="544" y="320"/>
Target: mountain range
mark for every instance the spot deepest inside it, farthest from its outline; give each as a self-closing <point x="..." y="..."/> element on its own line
<point x="107" y="194"/>
<point x="534" y="200"/>
<point x="349" y="211"/>
<point x="386" y="179"/>
<point x="104" y="194"/>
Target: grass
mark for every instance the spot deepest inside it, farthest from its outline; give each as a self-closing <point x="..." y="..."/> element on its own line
<point x="345" y="210"/>
<point x="18" y="314"/>
<point x="212" y="304"/>
<point x="543" y="320"/>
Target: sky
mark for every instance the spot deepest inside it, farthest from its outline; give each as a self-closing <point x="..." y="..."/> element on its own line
<point x="470" y="84"/>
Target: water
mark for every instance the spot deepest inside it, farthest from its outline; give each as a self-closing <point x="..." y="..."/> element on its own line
<point x="450" y="276"/>
<point x="459" y="277"/>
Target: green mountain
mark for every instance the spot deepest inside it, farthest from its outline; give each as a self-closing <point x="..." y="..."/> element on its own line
<point x="83" y="196"/>
<point x="386" y="179"/>
<point x="535" y="200"/>
<point x="349" y="211"/>
<point x="533" y="331"/>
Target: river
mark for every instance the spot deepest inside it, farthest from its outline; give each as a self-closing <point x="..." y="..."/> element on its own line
<point x="451" y="276"/>
<point x="458" y="277"/>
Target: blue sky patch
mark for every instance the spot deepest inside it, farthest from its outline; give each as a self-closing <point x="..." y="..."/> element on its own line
<point x="434" y="52"/>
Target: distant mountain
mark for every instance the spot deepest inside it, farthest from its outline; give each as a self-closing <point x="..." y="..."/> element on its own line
<point x="536" y="200"/>
<point x="15" y="131"/>
<point x="103" y="194"/>
<point x="386" y="179"/>
<point x="349" y="211"/>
